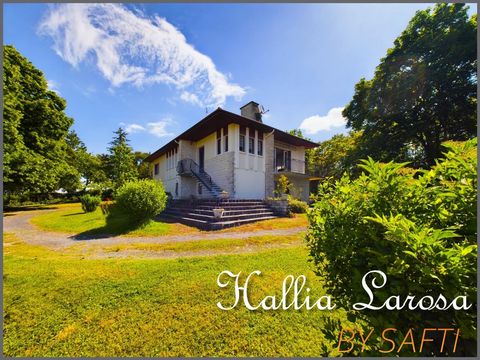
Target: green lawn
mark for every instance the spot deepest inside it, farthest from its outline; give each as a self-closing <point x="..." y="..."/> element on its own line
<point x="228" y="245"/>
<point x="61" y="305"/>
<point x="71" y="219"/>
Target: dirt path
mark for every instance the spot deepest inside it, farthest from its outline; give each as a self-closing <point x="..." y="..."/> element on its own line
<point x="19" y="224"/>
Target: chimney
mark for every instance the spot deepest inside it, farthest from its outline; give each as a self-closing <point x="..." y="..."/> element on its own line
<point x="251" y="111"/>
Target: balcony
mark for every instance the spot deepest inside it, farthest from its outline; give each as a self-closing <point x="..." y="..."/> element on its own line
<point x="289" y="166"/>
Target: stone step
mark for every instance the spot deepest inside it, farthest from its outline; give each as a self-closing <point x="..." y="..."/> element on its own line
<point x="211" y="218"/>
<point x="199" y="213"/>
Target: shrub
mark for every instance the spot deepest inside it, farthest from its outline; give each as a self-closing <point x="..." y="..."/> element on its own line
<point x="297" y="206"/>
<point x="89" y="202"/>
<point x="141" y="199"/>
<point x="419" y="228"/>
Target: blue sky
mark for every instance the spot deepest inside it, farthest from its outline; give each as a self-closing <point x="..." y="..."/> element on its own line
<point x="154" y="69"/>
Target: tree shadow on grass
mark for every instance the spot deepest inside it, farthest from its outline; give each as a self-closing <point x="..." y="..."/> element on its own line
<point x="116" y="224"/>
<point x="13" y="209"/>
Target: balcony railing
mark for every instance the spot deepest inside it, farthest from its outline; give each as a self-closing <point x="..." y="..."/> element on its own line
<point x="294" y="165"/>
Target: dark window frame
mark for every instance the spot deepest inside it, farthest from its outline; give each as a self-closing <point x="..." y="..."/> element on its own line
<point x="241" y="144"/>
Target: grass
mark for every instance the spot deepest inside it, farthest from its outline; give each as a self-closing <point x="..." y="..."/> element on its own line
<point x="209" y="245"/>
<point x="58" y="304"/>
<point x="71" y="219"/>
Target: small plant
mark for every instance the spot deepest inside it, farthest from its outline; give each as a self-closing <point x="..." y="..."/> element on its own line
<point x="141" y="199"/>
<point x="297" y="206"/>
<point x="283" y="186"/>
<point x="89" y="202"/>
<point x="106" y="207"/>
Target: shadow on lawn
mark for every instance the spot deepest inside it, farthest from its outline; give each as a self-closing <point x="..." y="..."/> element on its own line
<point x="116" y="224"/>
<point x="13" y="209"/>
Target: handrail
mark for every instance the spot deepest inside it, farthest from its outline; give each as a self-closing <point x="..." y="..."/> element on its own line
<point x="188" y="166"/>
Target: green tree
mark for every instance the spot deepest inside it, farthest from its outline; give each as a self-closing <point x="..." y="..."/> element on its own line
<point x="34" y="129"/>
<point x="143" y="168"/>
<point x="88" y="166"/>
<point x="334" y="157"/>
<point x="424" y="90"/>
<point x="121" y="159"/>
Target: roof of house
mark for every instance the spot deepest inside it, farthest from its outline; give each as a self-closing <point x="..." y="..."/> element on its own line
<point x="220" y="118"/>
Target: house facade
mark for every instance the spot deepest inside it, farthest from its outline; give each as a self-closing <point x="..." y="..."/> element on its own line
<point x="227" y="154"/>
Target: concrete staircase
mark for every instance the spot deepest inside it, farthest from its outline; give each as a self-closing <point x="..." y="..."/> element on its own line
<point x="199" y="213"/>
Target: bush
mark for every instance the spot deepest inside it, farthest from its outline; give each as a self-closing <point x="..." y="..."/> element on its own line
<point x="89" y="202"/>
<point x="297" y="206"/>
<point x="419" y="228"/>
<point x="141" y="199"/>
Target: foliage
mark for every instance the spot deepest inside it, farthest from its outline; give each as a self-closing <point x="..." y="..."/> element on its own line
<point x="283" y="186"/>
<point x="334" y="157"/>
<point x="297" y="206"/>
<point x="424" y="90"/>
<point x="141" y="199"/>
<point x="34" y="129"/>
<point x="418" y="227"/>
<point x="121" y="160"/>
<point x="143" y="168"/>
<point x="89" y="203"/>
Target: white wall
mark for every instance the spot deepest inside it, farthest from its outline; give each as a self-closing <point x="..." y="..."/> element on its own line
<point x="249" y="169"/>
<point x="167" y="172"/>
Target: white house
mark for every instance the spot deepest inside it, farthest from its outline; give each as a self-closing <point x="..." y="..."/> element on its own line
<point x="237" y="154"/>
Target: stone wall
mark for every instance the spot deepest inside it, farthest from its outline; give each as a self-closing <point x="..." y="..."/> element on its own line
<point x="220" y="168"/>
<point x="279" y="206"/>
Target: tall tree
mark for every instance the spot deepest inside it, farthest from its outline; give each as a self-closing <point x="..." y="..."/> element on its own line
<point x="88" y="167"/>
<point x="334" y="157"/>
<point x="121" y="159"/>
<point x="143" y="168"/>
<point x="424" y="90"/>
<point x="34" y="129"/>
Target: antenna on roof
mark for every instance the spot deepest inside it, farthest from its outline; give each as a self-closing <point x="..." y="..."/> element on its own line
<point x="262" y="110"/>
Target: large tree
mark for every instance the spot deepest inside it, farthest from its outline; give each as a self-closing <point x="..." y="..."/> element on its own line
<point x="88" y="167"/>
<point x="34" y="129"/>
<point x="424" y="90"/>
<point x="121" y="159"/>
<point x="336" y="156"/>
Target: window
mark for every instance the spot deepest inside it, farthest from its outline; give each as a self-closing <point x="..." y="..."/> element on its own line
<point x="260" y="144"/>
<point x="241" y="146"/>
<point x="242" y="143"/>
<point x="251" y="141"/>
<point x="225" y="138"/>
<point x="156" y="169"/>
<point x="176" y="189"/>
<point x="200" y="189"/>
<point x="219" y="142"/>
<point x="283" y="160"/>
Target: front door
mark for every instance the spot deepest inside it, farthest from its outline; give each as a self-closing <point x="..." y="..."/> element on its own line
<point x="201" y="157"/>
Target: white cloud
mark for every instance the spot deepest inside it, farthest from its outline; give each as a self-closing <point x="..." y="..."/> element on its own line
<point x="191" y="98"/>
<point x="317" y="123"/>
<point x="52" y="85"/>
<point x="130" y="48"/>
<point x="158" y="128"/>
<point x="133" y="128"/>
